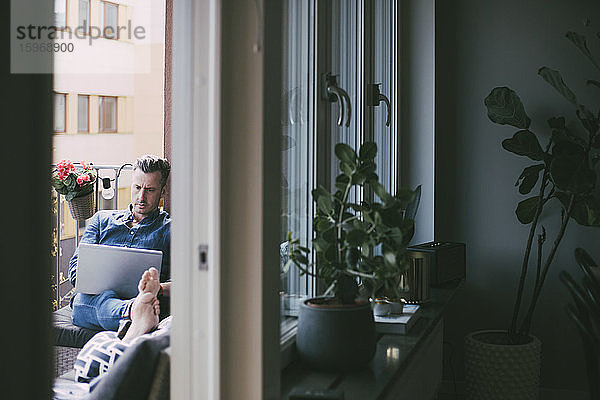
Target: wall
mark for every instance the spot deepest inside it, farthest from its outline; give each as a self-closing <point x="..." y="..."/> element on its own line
<point x="480" y="45"/>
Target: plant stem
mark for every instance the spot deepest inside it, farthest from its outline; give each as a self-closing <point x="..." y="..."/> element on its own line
<point x="340" y="217"/>
<point x="526" y="325"/>
<point x="538" y="211"/>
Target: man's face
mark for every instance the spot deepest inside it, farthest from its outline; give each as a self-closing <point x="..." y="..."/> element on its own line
<point x="145" y="192"/>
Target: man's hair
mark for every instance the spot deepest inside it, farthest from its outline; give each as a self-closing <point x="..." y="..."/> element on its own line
<point x="150" y="163"/>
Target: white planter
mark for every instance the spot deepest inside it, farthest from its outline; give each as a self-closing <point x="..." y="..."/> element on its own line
<point x="495" y="371"/>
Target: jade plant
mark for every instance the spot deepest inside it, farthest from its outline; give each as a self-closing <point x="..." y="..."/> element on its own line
<point x="358" y="243"/>
<point x="563" y="171"/>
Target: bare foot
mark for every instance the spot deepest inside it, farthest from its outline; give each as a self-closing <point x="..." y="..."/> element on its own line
<point x="149" y="283"/>
<point x="144" y="315"/>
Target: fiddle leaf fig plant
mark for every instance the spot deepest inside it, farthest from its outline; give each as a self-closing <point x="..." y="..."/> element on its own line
<point x="564" y="170"/>
<point x="363" y="241"/>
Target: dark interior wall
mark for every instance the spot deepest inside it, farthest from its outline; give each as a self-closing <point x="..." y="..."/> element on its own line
<point x="24" y="242"/>
<point x="481" y="45"/>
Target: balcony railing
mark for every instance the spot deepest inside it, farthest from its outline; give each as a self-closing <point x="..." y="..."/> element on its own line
<point x="62" y="263"/>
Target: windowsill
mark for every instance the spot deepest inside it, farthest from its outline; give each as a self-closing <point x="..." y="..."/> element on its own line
<point x="394" y="355"/>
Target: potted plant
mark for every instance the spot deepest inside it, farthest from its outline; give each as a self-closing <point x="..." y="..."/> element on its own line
<point x="77" y="185"/>
<point x="354" y="242"/>
<point x="564" y="171"/>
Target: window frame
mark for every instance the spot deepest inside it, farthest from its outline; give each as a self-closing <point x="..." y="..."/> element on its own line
<point x="87" y="129"/>
<point x="101" y="125"/>
<point x="64" y="95"/>
<point x="103" y="6"/>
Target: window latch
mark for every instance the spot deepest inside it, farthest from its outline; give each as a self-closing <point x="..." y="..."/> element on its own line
<point x="375" y="97"/>
<point x="331" y="92"/>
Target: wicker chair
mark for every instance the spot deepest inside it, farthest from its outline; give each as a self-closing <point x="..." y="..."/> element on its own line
<point x="69" y="339"/>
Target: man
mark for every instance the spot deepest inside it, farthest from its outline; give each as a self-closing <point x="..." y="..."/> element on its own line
<point x="141" y="225"/>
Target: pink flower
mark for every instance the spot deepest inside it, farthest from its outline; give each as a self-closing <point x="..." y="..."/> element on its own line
<point x="86" y="178"/>
<point x="80" y="180"/>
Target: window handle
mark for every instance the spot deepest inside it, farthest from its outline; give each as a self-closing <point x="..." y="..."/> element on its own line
<point x="375" y="97"/>
<point x="331" y="92"/>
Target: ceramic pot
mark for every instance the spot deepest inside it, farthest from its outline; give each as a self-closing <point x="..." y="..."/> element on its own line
<point x="498" y="370"/>
<point x="383" y="307"/>
<point x="335" y="338"/>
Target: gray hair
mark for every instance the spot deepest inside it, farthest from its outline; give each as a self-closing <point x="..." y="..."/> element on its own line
<point x="150" y="163"/>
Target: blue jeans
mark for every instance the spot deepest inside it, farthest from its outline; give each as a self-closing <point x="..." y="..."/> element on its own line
<point x="99" y="311"/>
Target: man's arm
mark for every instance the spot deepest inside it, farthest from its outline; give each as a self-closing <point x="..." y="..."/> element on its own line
<point x="90" y="235"/>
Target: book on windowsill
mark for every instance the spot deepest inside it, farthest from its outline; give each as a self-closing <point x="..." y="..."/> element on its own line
<point x="398" y="323"/>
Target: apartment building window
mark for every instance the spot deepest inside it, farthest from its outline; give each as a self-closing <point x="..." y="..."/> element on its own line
<point x="60" y="112"/>
<point x="84" y="15"/>
<point x="83" y="113"/>
<point x="60" y="13"/>
<point x="108" y="114"/>
<point x="109" y="19"/>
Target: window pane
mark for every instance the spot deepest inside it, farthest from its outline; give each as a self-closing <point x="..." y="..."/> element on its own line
<point x="83" y="113"/>
<point x="59" y="112"/>
<point x="297" y="145"/>
<point x="111" y="18"/>
<point x="60" y="13"/>
<point x="108" y="114"/>
<point x="84" y="13"/>
<point x="383" y="73"/>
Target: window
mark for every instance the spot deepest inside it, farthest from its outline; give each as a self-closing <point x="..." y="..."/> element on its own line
<point x="108" y="114"/>
<point x="83" y="114"/>
<point x="84" y="15"/>
<point x="109" y="19"/>
<point x="298" y="156"/>
<point x="356" y="43"/>
<point x="60" y="13"/>
<point x="60" y="112"/>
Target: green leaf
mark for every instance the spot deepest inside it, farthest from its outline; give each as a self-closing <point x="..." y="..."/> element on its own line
<point x="586" y="209"/>
<point x="356" y="237"/>
<point x="555" y="79"/>
<point x="367" y="151"/>
<point x="569" y="168"/>
<point x="504" y="107"/>
<point x="526" y="210"/>
<point x="580" y="42"/>
<point x="358" y="178"/>
<point x="594" y="83"/>
<point x="380" y="191"/>
<point x="524" y="143"/>
<point x="345" y="153"/>
<point x="341" y="181"/>
<point x="529" y="178"/>
<point x="589" y="122"/>
<point x="389" y="258"/>
<point x="346" y="169"/>
<point x="413" y="206"/>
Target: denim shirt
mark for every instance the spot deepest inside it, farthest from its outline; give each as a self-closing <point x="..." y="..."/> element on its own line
<point x="109" y="227"/>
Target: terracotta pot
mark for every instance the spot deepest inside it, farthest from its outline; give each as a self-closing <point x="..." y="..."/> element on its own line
<point x="82" y="208"/>
<point x="498" y="370"/>
<point x="336" y="337"/>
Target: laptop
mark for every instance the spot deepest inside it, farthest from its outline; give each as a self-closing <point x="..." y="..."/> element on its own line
<point x="101" y="267"/>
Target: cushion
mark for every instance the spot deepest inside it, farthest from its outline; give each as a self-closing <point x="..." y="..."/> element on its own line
<point x="67" y="334"/>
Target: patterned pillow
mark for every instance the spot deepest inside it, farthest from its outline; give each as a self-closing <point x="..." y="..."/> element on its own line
<point x="98" y="355"/>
